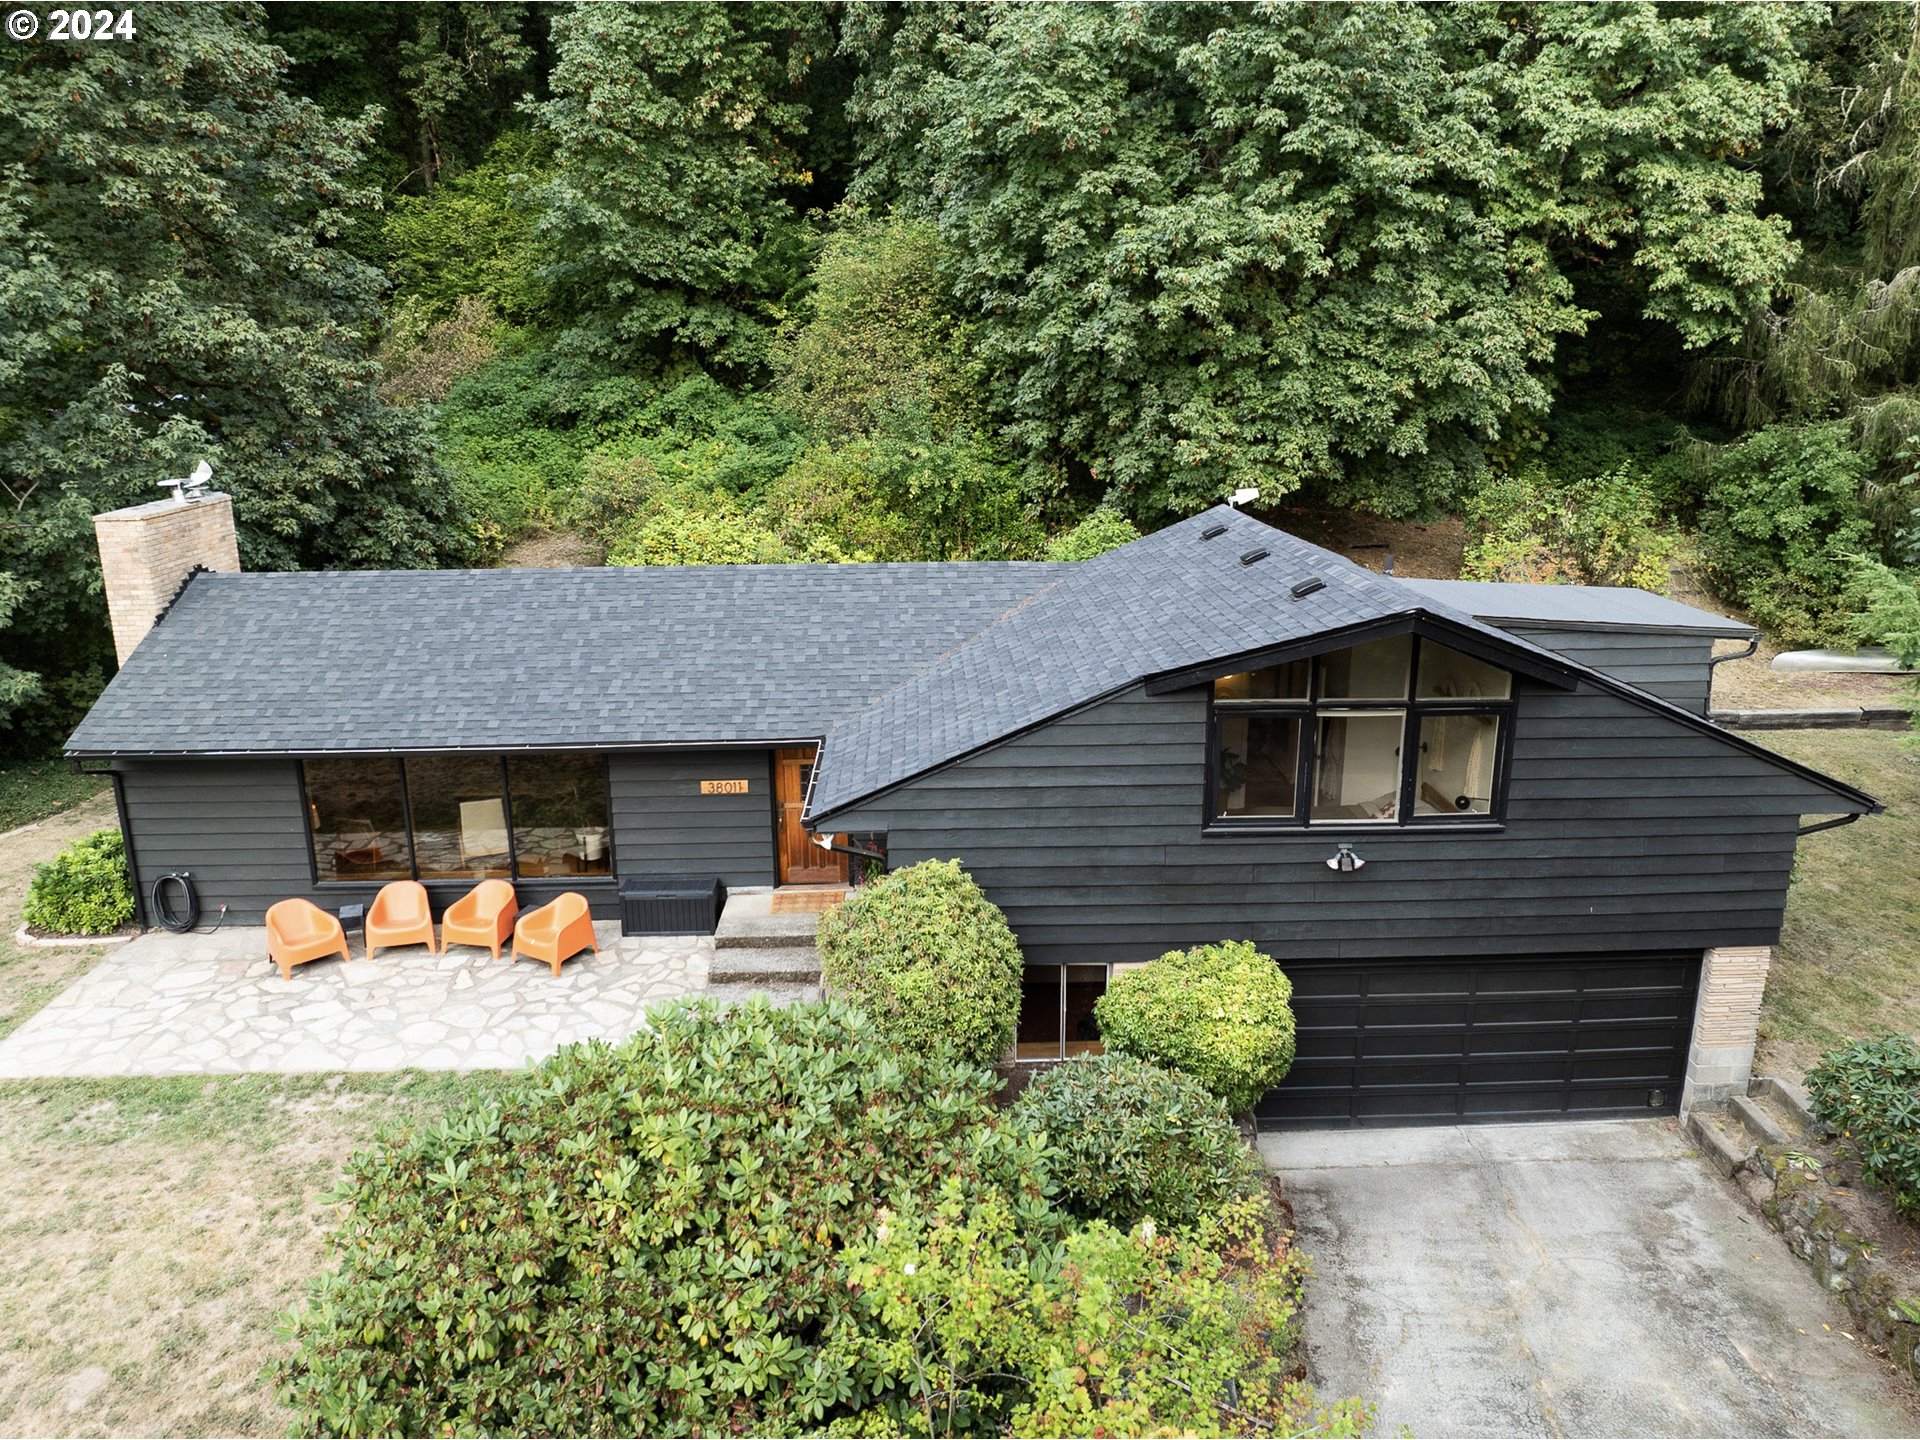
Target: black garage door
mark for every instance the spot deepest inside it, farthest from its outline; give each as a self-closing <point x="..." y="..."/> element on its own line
<point x="1400" y="1043"/>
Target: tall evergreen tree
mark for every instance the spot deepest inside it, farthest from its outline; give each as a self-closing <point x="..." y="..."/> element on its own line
<point x="169" y="290"/>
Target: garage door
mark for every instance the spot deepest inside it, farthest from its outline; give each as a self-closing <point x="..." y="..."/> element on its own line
<point x="1437" y="1042"/>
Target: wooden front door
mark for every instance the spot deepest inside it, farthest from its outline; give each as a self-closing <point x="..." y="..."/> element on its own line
<point x="801" y="861"/>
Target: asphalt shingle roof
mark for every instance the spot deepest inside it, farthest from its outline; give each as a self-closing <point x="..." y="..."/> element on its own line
<point x="306" y="663"/>
<point x="1603" y="606"/>
<point x="1165" y="602"/>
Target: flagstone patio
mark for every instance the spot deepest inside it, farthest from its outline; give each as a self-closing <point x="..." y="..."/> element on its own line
<point x="214" y="1004"/>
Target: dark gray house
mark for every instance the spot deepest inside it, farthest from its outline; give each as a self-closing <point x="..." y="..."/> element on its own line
<point x="1486" y="829"/>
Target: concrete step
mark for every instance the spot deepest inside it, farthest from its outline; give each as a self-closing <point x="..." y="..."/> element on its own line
<point x="1757" y="1122"/>
<point x="1720" y="1138"/>
<point x="781" y="994"/>
<point x="1787" y="1103"/>
<point x="755" y="964"/>
<point x="747" y="924"/>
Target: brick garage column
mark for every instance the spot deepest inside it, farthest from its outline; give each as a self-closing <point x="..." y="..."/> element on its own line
<point x="1726" y="1022"/>
<point x="147" y="550"/>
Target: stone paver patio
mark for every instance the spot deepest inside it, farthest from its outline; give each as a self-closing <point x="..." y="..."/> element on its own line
<point x="214" y="1004"/>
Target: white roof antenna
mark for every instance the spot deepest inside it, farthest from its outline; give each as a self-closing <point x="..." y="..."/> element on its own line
<point x="1244" y="496"/>
<point x="190" y="487"/>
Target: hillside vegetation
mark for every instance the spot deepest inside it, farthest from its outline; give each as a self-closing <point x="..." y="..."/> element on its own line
<point x="703" y="283"/>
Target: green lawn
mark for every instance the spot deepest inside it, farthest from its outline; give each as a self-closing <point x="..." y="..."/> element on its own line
<point x="32" y="790"/>
<point x="1849" y="956"/>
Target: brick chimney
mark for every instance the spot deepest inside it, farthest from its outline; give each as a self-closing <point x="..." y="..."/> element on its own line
<point x="147" y="550"/>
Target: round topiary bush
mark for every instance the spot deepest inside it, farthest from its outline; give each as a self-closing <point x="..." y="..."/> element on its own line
<point x="1132" y="1142"/>
<point x="1218" y="1012"/>
<point x="640" y="1240"/>
<point x="929" y="958"/>
<point x="83" y="890"/>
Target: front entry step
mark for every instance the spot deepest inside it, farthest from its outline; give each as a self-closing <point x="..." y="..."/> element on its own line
<point x="749" y="923"/>
<point x="765" y="965"/>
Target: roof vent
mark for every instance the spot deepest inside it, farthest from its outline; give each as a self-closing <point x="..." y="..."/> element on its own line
<point x="1307" y="587"/>
<point x="1213" y="531"/>
<point x="1254" y="555"/>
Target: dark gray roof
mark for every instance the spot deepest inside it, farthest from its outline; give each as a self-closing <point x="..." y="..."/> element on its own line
<point x="1598" y="607"/>
<point x="416" y="660"/>
<point x="1164" y="602"/>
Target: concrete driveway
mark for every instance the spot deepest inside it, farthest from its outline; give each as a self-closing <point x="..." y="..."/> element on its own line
<point x="1565" y="1279"/>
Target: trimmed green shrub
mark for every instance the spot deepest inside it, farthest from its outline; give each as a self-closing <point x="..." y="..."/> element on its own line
<point x="1869" y="1091"/>
<point x="1105" y="529"/>
<point x="645" y="1239"/>
<point x="1218" y="1012"/>
<point x="1134" y="1142"/>
<point x="930" y="959"/>
<point x="83" y="890"/>
<point x="1781" y="518"/>
<point x="966" y="1326"/>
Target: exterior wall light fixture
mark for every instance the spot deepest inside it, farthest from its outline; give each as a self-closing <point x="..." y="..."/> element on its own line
<point x="1344" y="860"/>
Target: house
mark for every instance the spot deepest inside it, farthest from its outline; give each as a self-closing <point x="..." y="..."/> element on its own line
<point x="1510" y="866"/>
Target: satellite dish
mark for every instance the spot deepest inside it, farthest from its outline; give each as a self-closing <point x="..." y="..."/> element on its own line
<point x="1244" y="496"/>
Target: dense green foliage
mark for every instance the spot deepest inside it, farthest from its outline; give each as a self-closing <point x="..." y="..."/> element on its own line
<point x="1781" y="518"/>
<point x="1220" y="1013"/>
<point x="1603" y="530"/>
<point x="929" y="958"/>
<point x="1105" y="529"/>
<point x="1135" y="1142"/>
<point x="84" y="889"/>
<point x="168" y="291"/>
<point x="1869" y="1092"/>
<point x="1277" y="280"/>
<point x="644" y="1239"/>
<point x="958" y="281"/>
<point x="969" y="1328"/>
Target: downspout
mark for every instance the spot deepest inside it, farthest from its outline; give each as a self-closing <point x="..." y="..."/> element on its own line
<point x="126" y="837"/>
<point x="1753" y="647"/>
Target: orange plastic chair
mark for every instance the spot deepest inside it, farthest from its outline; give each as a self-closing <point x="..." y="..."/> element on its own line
<point x="400" y="915"/>
<point x="483" y="916"/>
<point x="299" y="931"/>
<point x="555" y="931"/>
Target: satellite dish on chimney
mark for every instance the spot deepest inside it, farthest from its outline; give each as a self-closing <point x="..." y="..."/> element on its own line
<point x="1244" y="496"/>
<point x="190" y="487"/>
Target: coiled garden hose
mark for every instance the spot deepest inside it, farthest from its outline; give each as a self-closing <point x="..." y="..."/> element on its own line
<point x="169" y="918"/>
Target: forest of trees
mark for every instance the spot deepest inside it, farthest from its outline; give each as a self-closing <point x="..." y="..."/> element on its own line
<point x="719" y="283"/>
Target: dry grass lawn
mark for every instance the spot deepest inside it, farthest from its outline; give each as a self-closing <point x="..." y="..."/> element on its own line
<point x="1849" y="957"/>
<point x="153" y="1232"/>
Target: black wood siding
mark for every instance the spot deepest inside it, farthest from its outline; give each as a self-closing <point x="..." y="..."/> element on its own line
<point x="237" y="826"/>
<point x="1674" y="667"/>
<point x="1625" y="831"/>
<point x="663" y="825"/>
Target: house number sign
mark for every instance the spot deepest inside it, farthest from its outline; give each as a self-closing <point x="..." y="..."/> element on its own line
<point x="723" y="787"/>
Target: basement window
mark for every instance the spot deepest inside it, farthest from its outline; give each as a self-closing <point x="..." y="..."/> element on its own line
<point x="1399" y="731"/>
<point x="1056" y="1012"/>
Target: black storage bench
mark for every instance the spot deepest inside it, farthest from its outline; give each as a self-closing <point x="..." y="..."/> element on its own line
<point x="671" y="904"/>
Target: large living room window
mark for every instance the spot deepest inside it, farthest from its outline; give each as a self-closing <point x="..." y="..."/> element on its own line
<point x="1400" y="731"/>
<point x="458" y="817"/>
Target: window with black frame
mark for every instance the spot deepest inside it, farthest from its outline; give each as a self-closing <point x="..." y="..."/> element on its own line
<point x="458" y="817"/>
<point x="1396" y="731"/>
